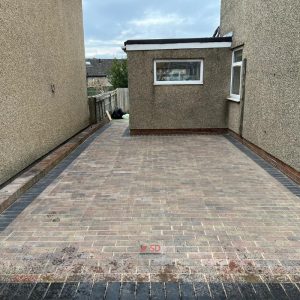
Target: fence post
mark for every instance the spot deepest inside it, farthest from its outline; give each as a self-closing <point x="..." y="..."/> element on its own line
<point x="124" y="100"/>
<point x="102" y="109"/>
<point x="98" y="111"/>
<point x="93" y="110"/>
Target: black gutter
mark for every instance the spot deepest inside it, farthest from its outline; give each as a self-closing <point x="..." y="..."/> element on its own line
<point x="179" y="41"/>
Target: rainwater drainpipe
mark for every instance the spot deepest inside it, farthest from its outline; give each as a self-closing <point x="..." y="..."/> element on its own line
<point x="242" y="101"/>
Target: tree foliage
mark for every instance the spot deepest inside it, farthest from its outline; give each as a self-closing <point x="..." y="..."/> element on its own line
<point x="118" y="76"/>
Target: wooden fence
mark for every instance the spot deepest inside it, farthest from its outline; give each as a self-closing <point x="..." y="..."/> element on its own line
<point x="99" y="104"/>
<point x="123" y="99"/>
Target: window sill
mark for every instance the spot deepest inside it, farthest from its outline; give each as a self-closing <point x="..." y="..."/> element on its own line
<point x="178" y="83"/>
<point x="233" y="99"/>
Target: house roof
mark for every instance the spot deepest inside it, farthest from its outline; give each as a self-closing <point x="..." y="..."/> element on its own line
<point x="96" y="67"/>
<point x="187" y="43"/>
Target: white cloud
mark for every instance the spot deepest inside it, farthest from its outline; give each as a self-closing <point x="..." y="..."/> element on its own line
<point x="104" y="48"/>
<point x="156" y="18"/>
<point x="94" y="42"/>
<point x="108" y="23"/>
<point x="103" y="52"/>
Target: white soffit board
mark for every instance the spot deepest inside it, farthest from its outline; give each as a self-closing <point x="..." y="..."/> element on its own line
<point x="144" y="47"/>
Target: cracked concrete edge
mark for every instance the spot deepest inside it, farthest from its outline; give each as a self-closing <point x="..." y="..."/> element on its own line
<point x="26" y="179"/>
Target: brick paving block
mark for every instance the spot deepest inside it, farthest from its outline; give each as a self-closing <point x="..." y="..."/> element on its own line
<point x="2" y="286"/>
<point x="262" y="291"/>
<point x="23" y="291"/>
<point x="139" y="277"/>
<point x="172" y="291"/>
<point x="277" y="291"/>
<point x="69" y="290"/>
<point x="142" y="291"/>
<point x="108" y="277"/>
<point x="84" y="290"/>
<point x="113" y="291"/>
<point x="217" y="290"/>
<point x="8" y="290"/>
<point x="247" y="291"/>
<point x="291" y="290"/>
<point x="98" y="291"/>
<point x="54" y="291"/>
<point x="39" y="291"/>
<point x="128" y="291"/>
<point x="187" y="291"/>
<point x="202" y="291"/>
<point x="232" y="291"/>
<point x="157" y="291"/>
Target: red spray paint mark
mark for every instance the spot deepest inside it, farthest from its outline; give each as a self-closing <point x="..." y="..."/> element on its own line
<point x="150" y="249"/>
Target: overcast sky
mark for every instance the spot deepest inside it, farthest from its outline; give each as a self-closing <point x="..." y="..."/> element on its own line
<point x="108" y="23"/>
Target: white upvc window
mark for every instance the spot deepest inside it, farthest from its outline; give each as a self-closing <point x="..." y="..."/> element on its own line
<point x="236" y="74"/>
<point x="178" y="71"/>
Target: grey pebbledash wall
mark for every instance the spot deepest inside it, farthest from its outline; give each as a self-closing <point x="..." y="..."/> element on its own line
<point x="41" y="44"/>
<point x="269" y="31"/>
<point x="179" y="106"/>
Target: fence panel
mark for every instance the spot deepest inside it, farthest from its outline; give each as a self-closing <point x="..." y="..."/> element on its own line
<point x="99" y="104"/>
<point x="123" y="99"/>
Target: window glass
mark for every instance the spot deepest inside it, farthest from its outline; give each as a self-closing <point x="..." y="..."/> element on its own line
<point x="178" y="71"/>
<point x="236" y="74"/>
<point x="236" y="80"/>
<point x="238" y="55"/>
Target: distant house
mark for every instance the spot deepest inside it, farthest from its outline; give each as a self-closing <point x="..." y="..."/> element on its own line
<point x="97" y="72"/>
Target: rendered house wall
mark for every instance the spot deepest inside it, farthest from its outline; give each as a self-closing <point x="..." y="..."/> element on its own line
<point x="178" y="106"/>
<point x="269" y="31"/>
<point x="41" y="44"/>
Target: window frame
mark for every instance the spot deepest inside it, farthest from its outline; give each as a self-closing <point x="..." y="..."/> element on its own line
<point x="236" y="97"/>
<point x="182" y="82"/>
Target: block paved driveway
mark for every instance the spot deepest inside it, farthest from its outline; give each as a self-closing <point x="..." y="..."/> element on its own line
<point x="181" y="216"/>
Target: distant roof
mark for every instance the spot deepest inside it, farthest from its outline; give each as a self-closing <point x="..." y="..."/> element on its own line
<point x="168" y="44"/>
<point x="96" y="67"/>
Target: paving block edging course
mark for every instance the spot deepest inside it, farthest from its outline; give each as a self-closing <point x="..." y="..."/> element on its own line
<point x="12" y="191"/>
